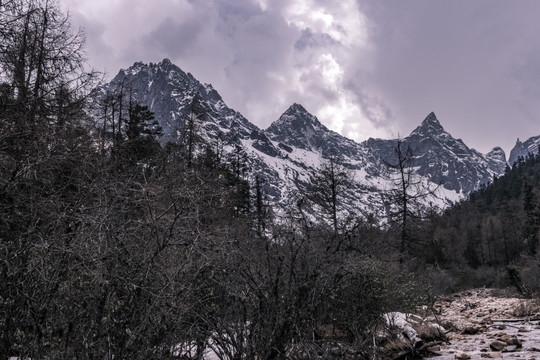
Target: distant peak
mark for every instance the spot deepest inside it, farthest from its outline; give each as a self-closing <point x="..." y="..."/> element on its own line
<point x="166" y="61"/>
<point x="496" y="149"/>
<point x="432" y="120"/>
<point x="296" y="108"/>
<point x="497" y="153"/>
<point x="296" y="117"/>
<point x="430" y="125"/>
<point x="299" y="115"/>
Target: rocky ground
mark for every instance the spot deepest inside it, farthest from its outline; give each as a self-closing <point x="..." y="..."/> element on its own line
<point x="484" y="323"/>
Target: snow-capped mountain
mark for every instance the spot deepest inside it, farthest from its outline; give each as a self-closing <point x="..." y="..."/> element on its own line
<point x="522" y="149"/>
<point x="286" y="154"/>
<point x="448" y="161"/>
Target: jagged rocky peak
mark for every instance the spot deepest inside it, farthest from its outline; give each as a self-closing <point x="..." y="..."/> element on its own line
<point x="178" y="81"/>
<point x="297" y="118"/>
<point x="167" y="66"/>
<point x="166" y="62"/>
<point x="529" y="146"/>
<point x="297" y="141"/>
<point x="297" y="127"/>
<point x="497" y="153"/>
<point x="430" y="125"/>
<point x="496" y="159"/>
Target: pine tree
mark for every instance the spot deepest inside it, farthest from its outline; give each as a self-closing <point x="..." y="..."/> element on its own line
<point x="142" y="123"/>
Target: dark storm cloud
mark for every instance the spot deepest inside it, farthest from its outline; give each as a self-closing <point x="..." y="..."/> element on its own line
<point x="364" y="67"/>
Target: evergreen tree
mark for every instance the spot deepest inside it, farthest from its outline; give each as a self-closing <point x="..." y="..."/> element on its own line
<point x="531" y="219"/>
<point x="142" y="123"/>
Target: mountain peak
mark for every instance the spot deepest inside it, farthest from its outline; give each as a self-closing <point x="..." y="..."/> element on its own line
<point x="296" y="108"/>
<point x="296" y="117"/>
<point x="297" y="113"/>
<point x="497" y="154"/>
<point x="431" y="121"/>
<point x="298" y="127"/>
<point x="430" y="125"/>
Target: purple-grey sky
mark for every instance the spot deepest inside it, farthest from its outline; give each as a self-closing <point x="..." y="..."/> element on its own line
<point x="365" y="68"/>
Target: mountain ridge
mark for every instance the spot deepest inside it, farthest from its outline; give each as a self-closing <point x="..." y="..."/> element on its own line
<point x="288" y="152"/>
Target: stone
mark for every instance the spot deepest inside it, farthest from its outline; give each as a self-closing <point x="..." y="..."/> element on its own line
<point x="497" y="345"/>
<point x="511" y="348"/>
<point x="516" y="342"/>
<point x="511" y="340"/>
<point x="462" y="356"/>
<point x="491" y="355"/>
<point x="470" y="330"/>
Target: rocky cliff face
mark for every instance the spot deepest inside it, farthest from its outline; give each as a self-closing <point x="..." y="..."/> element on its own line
<point x="286" y="154"/>
<point x="448" y="161"/>
<point x="522" y="149"/>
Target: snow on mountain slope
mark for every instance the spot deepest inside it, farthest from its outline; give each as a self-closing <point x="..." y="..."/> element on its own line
<point x="287" y="153"/>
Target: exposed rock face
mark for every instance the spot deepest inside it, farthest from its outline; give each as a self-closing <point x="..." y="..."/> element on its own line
<point x="448" y="161"/>
<point x="298" y="128"/>
<point x="496" y="159"/>
<point x="522" y="149"/>
<point x="286" y="153"/>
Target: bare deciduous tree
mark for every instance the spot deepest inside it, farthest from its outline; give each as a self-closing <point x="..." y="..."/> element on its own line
<point x="405" y="201"/>
<point x="329" y="182"/>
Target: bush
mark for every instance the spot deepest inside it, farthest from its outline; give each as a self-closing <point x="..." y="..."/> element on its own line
<point x="530" y="275"/>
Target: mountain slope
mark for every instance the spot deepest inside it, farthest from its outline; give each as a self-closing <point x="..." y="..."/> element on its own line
<point x="287" y="153"/>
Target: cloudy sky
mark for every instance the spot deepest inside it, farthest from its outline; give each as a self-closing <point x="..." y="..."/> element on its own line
<point x="365" y="68"/>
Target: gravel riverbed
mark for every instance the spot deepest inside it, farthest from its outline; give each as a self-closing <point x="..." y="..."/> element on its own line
<point x="482" y="324"/>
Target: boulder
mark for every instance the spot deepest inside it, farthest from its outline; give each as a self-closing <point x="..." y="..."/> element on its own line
<point x="511" y="340"/>
<point x="497" y="345"/>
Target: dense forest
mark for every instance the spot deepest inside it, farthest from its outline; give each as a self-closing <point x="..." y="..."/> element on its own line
<point x="113" y="245"/>
<point x="493" y="235"/>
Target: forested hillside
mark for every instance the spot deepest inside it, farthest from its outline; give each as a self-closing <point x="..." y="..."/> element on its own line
<point x="491" y="239"/>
